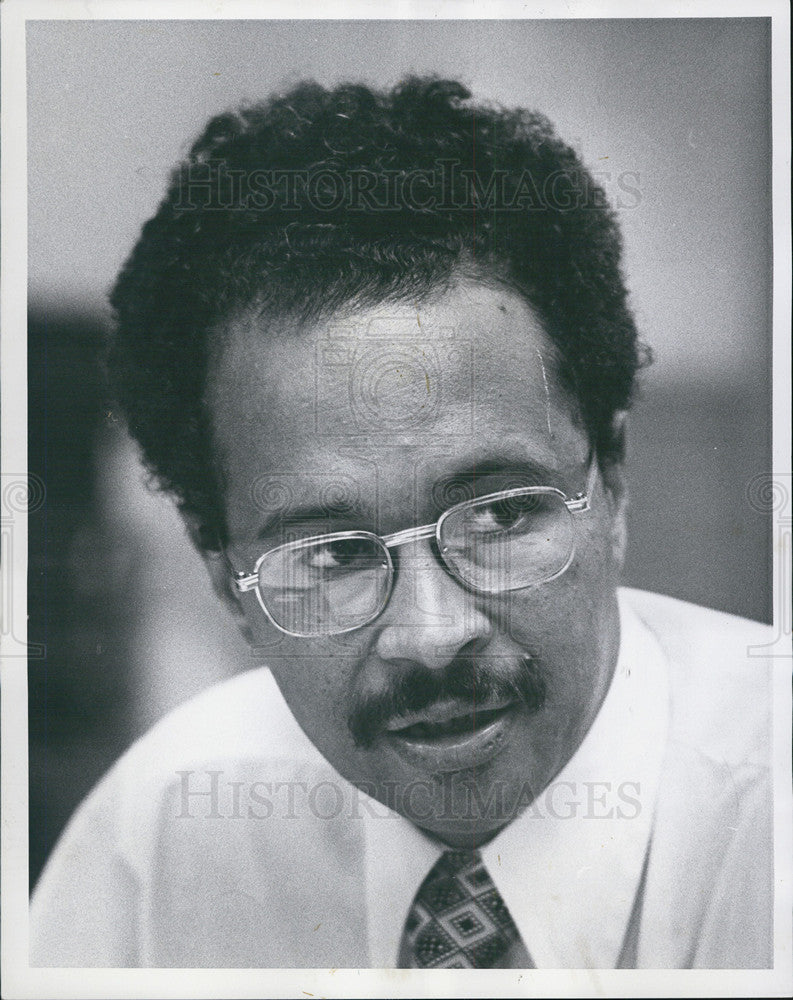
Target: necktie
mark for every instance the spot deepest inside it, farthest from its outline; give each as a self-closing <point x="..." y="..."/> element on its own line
<point x="459" y="920"/>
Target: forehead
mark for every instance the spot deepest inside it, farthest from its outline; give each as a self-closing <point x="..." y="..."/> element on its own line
<point x="396" y="397"/>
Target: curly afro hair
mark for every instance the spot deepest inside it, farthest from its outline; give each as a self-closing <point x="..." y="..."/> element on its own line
<point x="319" y="198"/>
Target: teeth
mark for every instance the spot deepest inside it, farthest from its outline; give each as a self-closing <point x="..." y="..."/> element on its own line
<point x="450" y="727"/>
<point x="429" y="729"/>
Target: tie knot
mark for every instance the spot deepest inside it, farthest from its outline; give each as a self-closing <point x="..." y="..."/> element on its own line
<point x="454" y="861"/>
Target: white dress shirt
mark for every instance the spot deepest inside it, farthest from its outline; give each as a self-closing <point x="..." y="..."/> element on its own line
<point x="223" y="839"/>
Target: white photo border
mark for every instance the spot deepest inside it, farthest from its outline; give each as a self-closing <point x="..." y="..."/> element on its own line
<point x="20" y="980"/>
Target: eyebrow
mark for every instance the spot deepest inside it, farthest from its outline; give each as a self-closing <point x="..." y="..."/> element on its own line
<point x="298" y="515"/>
<point x="534" y="471"/>
<point x="501" y="465"/>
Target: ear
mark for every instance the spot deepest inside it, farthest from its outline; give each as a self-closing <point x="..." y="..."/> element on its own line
<point x="220" y="573"/>
<point x="613" y="475"/>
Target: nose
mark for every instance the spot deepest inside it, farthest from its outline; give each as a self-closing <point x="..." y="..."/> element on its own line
<point x="430" y="616"/>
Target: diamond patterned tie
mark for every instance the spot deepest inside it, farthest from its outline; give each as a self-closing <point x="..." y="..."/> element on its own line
<point x="459" y="920"/>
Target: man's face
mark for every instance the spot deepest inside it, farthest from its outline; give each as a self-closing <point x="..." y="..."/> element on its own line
<point x="454" y="707"/>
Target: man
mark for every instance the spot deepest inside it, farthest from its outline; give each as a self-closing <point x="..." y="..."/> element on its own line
<point x="377" y="347"/>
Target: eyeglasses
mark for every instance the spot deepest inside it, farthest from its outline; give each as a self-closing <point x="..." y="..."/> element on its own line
<point x="338" y="582"/>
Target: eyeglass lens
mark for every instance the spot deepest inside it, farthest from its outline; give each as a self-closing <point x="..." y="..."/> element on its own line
<point x="328" y="586"/>
<point x="509" y="543"/>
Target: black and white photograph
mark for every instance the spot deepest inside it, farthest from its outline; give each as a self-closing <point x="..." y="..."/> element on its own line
<point x="396" y="500"/>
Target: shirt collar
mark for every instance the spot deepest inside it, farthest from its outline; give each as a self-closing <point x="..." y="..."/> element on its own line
<point x="569" y="866"/>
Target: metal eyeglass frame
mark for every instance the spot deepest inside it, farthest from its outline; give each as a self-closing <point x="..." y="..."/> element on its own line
<point x="580" y="503"/>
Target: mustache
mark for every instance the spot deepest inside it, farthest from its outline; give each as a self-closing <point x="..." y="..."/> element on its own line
<point x="465" y="678"/>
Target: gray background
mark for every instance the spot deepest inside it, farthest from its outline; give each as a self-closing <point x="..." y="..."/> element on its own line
<point x="116" y="594"/>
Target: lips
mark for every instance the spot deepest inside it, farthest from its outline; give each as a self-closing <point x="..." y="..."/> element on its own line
<point x="452" y="736"/>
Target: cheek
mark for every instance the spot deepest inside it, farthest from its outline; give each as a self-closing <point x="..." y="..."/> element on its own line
<point x="569" y="625"/>
<point x="310" y="681"/>
<point x="567" y="612"/>
<point x="315" y="682"/>
<point x="596" y="563"/>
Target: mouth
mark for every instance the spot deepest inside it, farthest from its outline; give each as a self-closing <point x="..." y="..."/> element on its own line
<point x="452" y="736"/>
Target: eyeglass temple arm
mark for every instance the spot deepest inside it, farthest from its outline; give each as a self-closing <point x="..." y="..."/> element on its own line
<point x="240" y="580"/>
<point x="582" y="501"/>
